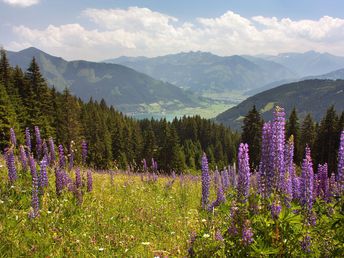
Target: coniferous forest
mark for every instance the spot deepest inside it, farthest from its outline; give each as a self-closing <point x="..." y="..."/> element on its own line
<point x="118" y="141"/>
<point x="114" y="140"/>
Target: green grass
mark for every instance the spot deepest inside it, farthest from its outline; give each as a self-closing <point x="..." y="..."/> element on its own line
<point x="127" y="218"/>
<point x="131" y="217"/>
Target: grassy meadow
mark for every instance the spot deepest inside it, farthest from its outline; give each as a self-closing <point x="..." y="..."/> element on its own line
<point x="122" y="216"/>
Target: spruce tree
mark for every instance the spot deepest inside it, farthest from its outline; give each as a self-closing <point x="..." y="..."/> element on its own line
<point x="308" y="135"/>
<point x="5" y="69"/>
<point x="293" y="128"/>
<point x="252" y="135"/>
<point x="38" y="103"/>
<point x="327" y="140"/>
<point x="7" y="118"/>
<point x="68" y="123"/>
<point x="149" y="146"/>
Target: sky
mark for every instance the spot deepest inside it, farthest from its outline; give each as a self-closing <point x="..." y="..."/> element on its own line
<point x="103" y="29"/>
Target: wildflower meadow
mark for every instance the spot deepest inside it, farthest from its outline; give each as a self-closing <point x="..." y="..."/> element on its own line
<point x="53" y="205"/>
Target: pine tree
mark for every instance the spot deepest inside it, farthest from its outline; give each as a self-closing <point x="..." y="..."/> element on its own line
<point x="293" y="128"/>
<point x="149" y="146"/>
<point x="252" y="134"/>
<point x="307" y="134"/>
<point x="38" y="103"/>
<point x="68" y="126"/>
<point x="97" y="136"/>
<point x="327" y="140"/>
<point x="7" y="118"/>
<point x="5" y="69"/>
<point x="175" y="152"/>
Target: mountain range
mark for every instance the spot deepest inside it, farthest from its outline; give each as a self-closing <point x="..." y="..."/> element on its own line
<point x="168" y="83"/>
<point x="206" y="72"/>
<point x="120" y="86"/>
<point x="309" y="63"/>
<point x="308" y="96"/>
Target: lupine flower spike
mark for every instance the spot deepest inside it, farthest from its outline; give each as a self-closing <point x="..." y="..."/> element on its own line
<point x="89" y="181"/>
<point x="11" y="167"/>
<point x="28" y="140"/>
<point x="35" y="183"/>
<point x="13" y="138"/>
<point x="205" y="181"/>
<point x="244" y="172"/>
<point x="38" y="142"/>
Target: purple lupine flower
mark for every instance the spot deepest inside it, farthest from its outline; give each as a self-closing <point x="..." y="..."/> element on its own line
<point x="58" y="181"/>
<point x="28" y="140"/>
<point x="323" y="182"/>
<point x="46" y="152"/>
<point x="217" y="179"/>
<point x="34" y="200"/>
<point x="155" y="177"/>
<point x="243" y="172"/>
<point x="232" y="176"/>
<point x="62" y="159"/>
<point x="261" y="181"/>
<point x="52" y="151"/>
<point x="266" y="165"/>
<point x="67" y="180"/>
<point x="218" y="236"/>
<point x="13" y="137"/>
<point x="247" y="235"/>
<point x="220" y="197"/>
<point x="11" y="166"/>
<point x="289" y="170"/>
<point x="145" y="168"/>
<point x="84" y="151"/>
<point x="78" y="182"/>
<point x="38" y="142"/>
<point x="275" y="210"/>
<point x="71" y="156"/>
<point x="233" y="230"/>
<point x="316" y="185"/>
<point x="296" y="187"/>
<point x="278" y="141"/>
<point x="43" y="173"/>
<point x="306" y="244"/>
<point x="312" y="218"/>
<point x="340" y="172"/>
<point x="205" y="181"/>
<point x="333" y="185"/>
<point x="226" y="172"/>
<point x="23" y="157"/>
<point x="89" y="181"/>
<point x="79" y="196"/>
<point x="306" y="185"/>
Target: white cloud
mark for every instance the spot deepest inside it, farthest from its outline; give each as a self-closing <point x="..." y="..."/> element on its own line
<point x="140" y="31"/>
<point x="133" y="19"/>
<point x="21" y="3"/>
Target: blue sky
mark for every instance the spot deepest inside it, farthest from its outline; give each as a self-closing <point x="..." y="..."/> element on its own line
<point x="97" y="30"/>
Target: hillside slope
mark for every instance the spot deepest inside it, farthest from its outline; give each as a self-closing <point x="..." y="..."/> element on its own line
<point x="313" y="96"/>
<point x="120" y="86"/>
